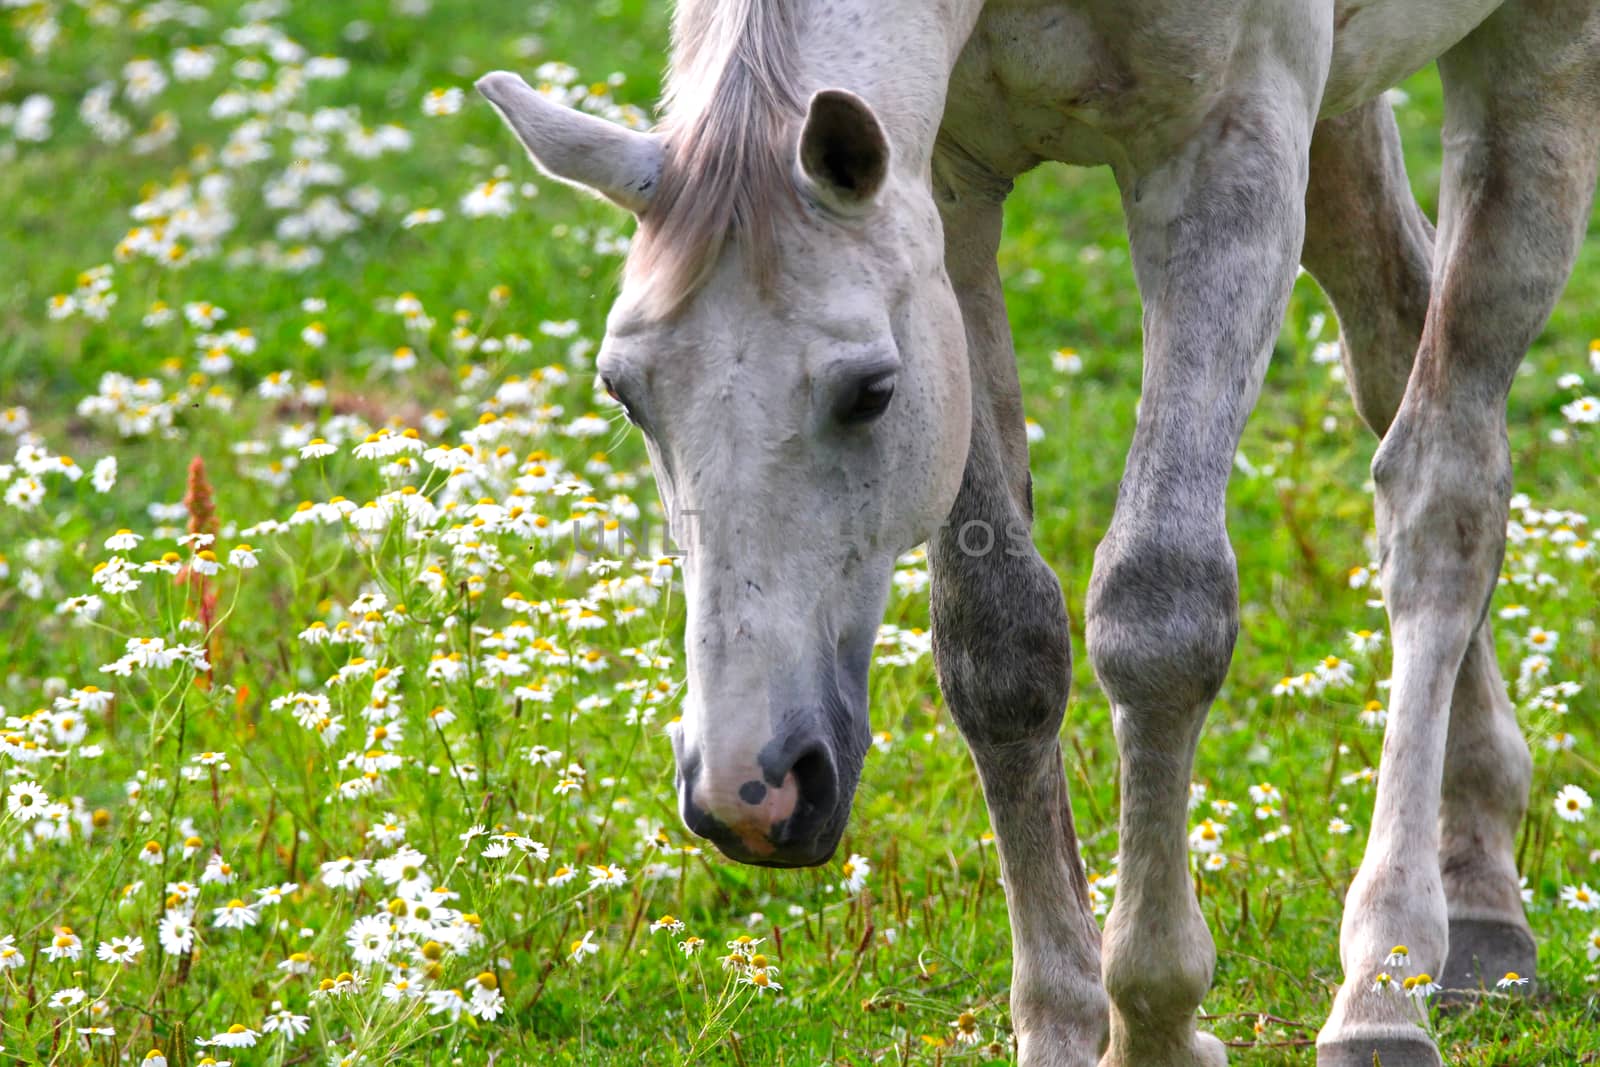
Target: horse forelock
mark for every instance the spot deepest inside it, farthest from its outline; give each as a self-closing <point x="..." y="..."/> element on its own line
<point x="733" y="104"/>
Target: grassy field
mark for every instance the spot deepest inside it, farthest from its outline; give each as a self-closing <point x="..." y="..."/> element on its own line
<point x="379" y="775"/>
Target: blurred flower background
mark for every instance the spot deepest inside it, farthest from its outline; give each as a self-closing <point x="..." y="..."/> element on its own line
<point x="340" y="628"/>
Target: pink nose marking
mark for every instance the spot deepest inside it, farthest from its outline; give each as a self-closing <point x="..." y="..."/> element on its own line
<point x="764" y="807"/>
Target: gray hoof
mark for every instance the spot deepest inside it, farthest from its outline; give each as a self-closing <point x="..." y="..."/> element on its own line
<point x="1483" y="951"/>
<point x="1390" y="1047"/>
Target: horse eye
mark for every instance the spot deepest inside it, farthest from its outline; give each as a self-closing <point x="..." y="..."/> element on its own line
<point x="870" y="399"/>
<point x="611" y="391"/>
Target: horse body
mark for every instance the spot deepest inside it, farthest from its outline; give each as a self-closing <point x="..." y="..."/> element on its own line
<point x="812" y="336"/>
<point x="1093" y="84"/>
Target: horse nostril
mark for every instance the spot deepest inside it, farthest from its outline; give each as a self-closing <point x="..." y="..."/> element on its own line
<point x="700" y="823"/>
<point x="818" y="785"/>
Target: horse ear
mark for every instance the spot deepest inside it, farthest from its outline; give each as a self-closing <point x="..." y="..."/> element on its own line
<point x="620" y="164"/>
<point x="844" y="153"/>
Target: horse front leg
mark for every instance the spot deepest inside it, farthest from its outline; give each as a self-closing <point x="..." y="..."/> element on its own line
<point x="1215" y="231"/>
<point x="1004" y="659"/>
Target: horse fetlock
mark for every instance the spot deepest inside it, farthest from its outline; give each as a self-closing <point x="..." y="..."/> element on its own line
<point x="1401" y="914"/>
<point x="1181" y="1048"/>
<point x="1484" y="950"/>
<point x="1050" y="1047"/>
<point x="1486" y="790"/>
<point x="1157" y="969"/>
<point x="1488" y="767"/>
<point x="1060" y="1022"/>
<point x="1480" y="877"/>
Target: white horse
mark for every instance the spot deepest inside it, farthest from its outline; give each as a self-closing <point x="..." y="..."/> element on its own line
<point x="811" y="335"/>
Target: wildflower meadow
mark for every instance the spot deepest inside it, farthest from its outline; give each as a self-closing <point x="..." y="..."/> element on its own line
<point x="339" y="629"/>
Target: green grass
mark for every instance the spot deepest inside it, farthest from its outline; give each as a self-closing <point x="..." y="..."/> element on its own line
<point x="875" y="974"/>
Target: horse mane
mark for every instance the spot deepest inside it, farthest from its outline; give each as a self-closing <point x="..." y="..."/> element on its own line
<point x="732" y="103"/>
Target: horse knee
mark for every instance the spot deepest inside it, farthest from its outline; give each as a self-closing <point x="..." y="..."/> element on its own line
<point x="1001" y="645"/>
<point x="1163" y="617"/>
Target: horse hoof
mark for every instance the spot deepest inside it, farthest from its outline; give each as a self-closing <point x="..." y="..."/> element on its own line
<point x="1209" y="1051"/>
<point x="1482" y="951"/>
<point x="1389" y="1046"/>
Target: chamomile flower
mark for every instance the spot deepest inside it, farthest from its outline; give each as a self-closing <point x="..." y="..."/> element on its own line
<point x="1580" y="897"/>
<point x="285" y="1022"/>
<point x="856" y="870"/>
<point x="123" y="950"/>
<point x="1541" y="640"/>
<point x="491" y="199"/>
<point x="236" y="1036"/>
<point x="1364" y="641"/>
<point x="177" y="933"/>
<point x="1265" y="793"/>
<point x="26" y="799"/>
<point x="297" y="963"/>
<point x="1573" y="803"/>
<point x="104" y="476"/>
<point x="762" y="980"/>
<point x="345" y="873"/>
<point x="1585" y="409"/>
<point x="70" y="997"/>
<point x="607" y="876"/>
<point x="64" y="945"/>
<point x="582" y="948"/>
<point x="1206" y="837"/>
<point x="235" y="915"/>
<point x="406" y="871"/>
<point x="442" y="101"/>
<point x="1420" y="986"/>
<point x="423" y="216"/>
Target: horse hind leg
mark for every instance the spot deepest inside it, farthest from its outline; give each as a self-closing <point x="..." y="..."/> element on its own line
<point x="1371" y="248"/>
<point x="1487" y="771"/>
<point x="1522" y="133"/>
